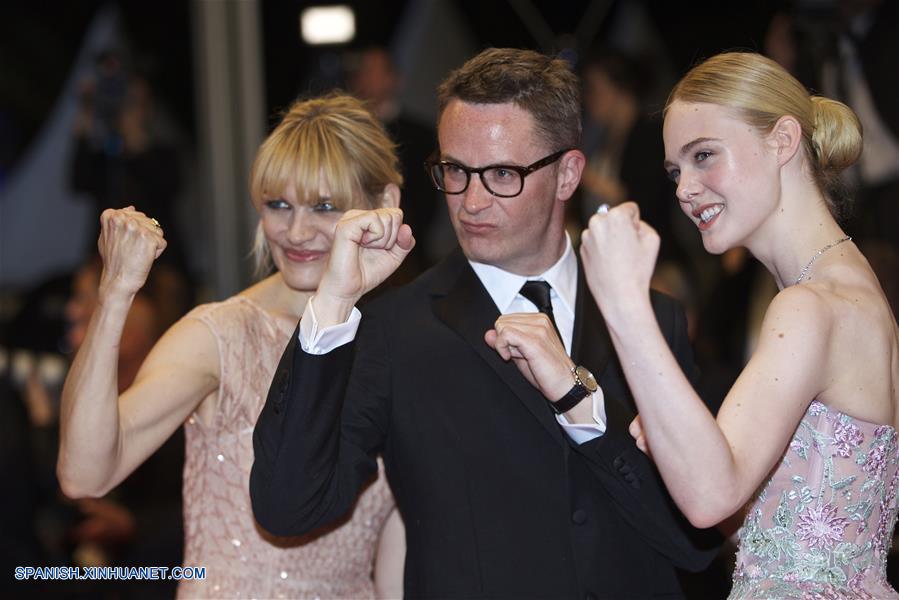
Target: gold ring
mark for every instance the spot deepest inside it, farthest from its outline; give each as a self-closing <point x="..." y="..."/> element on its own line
<point x="156" y="223"/>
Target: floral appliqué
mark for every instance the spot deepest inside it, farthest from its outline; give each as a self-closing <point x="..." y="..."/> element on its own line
<point x="822" y="524"/>
<point x="821" y="527"/>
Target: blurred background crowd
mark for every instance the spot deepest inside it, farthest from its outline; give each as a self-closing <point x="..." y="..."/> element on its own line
<point x="162" y="106"/>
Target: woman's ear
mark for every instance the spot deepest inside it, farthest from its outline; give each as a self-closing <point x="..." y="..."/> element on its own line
<point x="390" y="197"/>
<point x="786" y="138"/>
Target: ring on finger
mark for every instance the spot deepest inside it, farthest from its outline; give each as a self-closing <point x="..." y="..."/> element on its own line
<point x="603" y="208"/>
<point x="155" y="223"/>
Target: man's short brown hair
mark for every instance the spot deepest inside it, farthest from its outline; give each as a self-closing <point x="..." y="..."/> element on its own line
<point x="544" y="86"/>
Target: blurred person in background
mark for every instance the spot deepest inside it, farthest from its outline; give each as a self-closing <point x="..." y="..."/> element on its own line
<point x="861" y="71"/>
<point x="210" y="371"/>
<point x="620" y="136"/>
<point x="847" y="49"/>
<point x="33" y="517"/>
<point x="136" y="524"/>
<point x="373" y="76"/>
<point x="121" y="158"/>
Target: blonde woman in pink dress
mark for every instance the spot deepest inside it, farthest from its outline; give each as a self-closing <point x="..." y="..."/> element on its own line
<point x="212" y="370"/>
<point x="807" y="434"/>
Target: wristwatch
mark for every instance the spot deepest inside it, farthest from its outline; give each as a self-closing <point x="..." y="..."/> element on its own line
<point x="584" y="385"/>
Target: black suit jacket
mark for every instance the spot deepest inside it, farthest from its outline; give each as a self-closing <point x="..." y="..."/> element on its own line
<point x="497" y="501"/>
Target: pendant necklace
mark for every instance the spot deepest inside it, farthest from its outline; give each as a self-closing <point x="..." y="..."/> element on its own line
<point x="804" y="271"/>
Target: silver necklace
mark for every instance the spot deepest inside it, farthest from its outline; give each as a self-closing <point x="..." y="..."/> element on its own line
<point x="805" y="269"/>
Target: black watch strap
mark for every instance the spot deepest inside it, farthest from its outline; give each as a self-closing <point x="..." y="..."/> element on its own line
<point x="584" y="385"/>
<point x="571" y="399"/>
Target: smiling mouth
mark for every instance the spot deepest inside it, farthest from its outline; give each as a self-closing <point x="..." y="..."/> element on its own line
<point x="303" y="255"/>
<point x="708" y="214"/>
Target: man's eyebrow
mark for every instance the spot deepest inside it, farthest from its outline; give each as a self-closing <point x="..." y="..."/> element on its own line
<point x="688" y="146"/>
<point x="456" y="161"/>
<point x="449" y="158"/>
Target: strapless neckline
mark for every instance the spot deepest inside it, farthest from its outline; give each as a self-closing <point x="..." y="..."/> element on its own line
<point x="822" y="524"/>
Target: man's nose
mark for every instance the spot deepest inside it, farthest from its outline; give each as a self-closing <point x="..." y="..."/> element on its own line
<point x="476" y="197"/>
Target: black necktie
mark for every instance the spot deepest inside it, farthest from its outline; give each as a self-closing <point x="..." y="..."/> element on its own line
<point x="538" y="293"/>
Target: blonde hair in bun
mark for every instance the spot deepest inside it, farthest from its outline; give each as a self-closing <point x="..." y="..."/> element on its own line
<point x="761" y="91"/>
<point x="837" y="136"/>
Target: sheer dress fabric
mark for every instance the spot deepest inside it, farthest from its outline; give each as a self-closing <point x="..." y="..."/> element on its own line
<point x="823" y="523"/>
<point x="241" y="560"/>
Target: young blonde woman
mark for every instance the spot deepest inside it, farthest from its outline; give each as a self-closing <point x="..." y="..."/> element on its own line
<point x="808" y="431"/>
<point x="211" y="371"/>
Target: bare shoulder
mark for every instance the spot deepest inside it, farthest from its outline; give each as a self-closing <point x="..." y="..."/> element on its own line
<point x="272" y="296"/>
<point x="799" y="308"/>
<point x="856" y="305"/>
<point x="859" y="356"/>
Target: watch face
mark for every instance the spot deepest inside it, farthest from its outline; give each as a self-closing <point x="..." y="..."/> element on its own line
<point x="586" y="378"/>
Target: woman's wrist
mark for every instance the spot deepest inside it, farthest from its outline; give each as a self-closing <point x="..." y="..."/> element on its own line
<point x="112" y="300"/>
<point x="628" y="315"/>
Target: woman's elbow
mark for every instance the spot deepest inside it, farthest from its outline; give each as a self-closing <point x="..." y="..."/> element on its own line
<point x="74" y="491"/>
<point x="75" y="487"/>
<point x="704" y="513"/>
<point x="703" y="519"/>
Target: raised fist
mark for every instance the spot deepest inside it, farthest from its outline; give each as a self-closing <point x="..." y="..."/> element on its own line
<point x="368" y="247"/>
<point x="129" y="243"/>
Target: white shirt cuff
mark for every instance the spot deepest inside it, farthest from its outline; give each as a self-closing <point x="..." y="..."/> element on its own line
<point x="584" y="432"/>
<point x="321" y="341"/>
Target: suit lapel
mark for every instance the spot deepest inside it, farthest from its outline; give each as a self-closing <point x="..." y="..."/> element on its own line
<point x="592" y="347"/>
<point x="462" y="303"/>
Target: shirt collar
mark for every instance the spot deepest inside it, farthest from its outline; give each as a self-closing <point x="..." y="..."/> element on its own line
<point x="503" y="286"/>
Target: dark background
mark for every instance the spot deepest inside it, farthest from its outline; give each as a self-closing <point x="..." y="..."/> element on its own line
<point x="39" y="40"/>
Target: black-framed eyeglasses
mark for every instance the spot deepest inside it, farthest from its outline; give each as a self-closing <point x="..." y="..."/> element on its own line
<point x="505" y="181"/>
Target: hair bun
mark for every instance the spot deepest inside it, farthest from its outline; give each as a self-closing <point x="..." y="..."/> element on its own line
<point x="837" y="138"/>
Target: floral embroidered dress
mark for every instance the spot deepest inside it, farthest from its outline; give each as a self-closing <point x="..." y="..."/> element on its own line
<point x="822" y="525"/>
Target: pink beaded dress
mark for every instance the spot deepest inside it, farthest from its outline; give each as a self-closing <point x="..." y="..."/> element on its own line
<point x="823" y="524"/>
<point x="241" y="560"/>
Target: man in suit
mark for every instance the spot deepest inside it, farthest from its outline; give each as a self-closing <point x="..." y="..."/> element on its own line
<point x="515" y="477"/>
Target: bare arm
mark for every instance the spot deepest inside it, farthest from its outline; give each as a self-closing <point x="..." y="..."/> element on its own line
<point x="104" y="437"/>
<point x="711" y="468"/>
<point x="391" y="558"/>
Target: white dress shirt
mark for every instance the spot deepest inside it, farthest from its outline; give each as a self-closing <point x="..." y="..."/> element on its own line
<point x="503" y="287"/>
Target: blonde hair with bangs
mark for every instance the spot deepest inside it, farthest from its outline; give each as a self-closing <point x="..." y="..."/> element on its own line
<point x="762" y="91"/>
<point x="335" y="137"/>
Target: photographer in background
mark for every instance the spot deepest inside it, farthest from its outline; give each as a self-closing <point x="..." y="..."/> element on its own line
<point x="373" y="76"/>
<point x="120" y="160"/>
<point x="847" y="49"/>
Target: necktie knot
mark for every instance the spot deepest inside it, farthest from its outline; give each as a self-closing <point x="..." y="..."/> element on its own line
<point x="538" y="293"/>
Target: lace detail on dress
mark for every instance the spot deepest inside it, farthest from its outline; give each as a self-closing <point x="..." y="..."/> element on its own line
<point x="241" y="560"/>
<point x="823" y="524"/>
